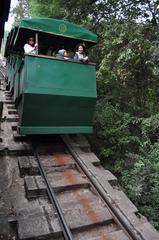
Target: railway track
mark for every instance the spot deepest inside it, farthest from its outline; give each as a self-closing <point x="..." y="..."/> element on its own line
<point x="2" y="71"/>
<point x="58" y="189"/>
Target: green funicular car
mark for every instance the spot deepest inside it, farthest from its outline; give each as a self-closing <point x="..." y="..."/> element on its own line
<point x="53" y="95"/>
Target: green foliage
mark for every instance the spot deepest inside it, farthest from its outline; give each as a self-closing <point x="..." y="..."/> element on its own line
<point x="141" y="183"/>
<point x="129" y="147"/>
<point x="48" y="8"/>
<point x="128" y="73"/>
<point x="150" y="129"/>
<point x="132" y="146"/>
<point x="21" y="10"/>
<point x="115" y="132"/>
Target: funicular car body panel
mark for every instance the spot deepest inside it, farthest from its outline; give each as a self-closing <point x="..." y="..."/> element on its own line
<point x="54" y="95"/>
<point x="11" y="58"/>
<point x="17" y="74"/>
<point x="59" y="99"/>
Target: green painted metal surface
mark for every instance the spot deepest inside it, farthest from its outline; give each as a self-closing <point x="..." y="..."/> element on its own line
<point x="17" y="78"/>
<point x="52" y="75"/>
<point x="54" y="130"/>
<point x="10" y="40"/>
<point x="56" y="98"/>
<point x="58" y="27"/>
<point x="57" y="110"/>
<point x="11" y="71"/>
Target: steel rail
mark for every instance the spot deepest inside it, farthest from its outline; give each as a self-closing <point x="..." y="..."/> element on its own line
<point x="65" y="228"/>
<point x="2" y="70"/>
<point x="116" y="212"/>
<point x="3" y="74"/>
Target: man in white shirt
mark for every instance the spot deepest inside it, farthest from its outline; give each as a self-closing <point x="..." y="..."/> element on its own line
<point x="30" y="47"/>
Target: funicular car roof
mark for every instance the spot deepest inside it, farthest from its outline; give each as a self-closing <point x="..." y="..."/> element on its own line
<point x="59" y="32"/>
<point x="59" y="27"/>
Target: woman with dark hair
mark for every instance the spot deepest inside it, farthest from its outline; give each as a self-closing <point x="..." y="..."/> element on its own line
<point x="81" y="53"/>
<point x="30" y="47"/>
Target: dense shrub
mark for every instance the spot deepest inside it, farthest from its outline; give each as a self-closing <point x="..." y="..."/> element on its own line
<point x="141" y="183"/>
<point x="129" y="147"/>
<point x="116" y="133"/>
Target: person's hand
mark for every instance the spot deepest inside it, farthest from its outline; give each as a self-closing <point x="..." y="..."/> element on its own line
<point x="36" y="45"/>
<point x="85" y="59"/>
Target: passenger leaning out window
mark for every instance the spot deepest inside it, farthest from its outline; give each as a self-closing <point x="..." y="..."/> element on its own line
<point x="63" y="54"/>
<point x="81" y="53"/>
<point x="30" y="47"/>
